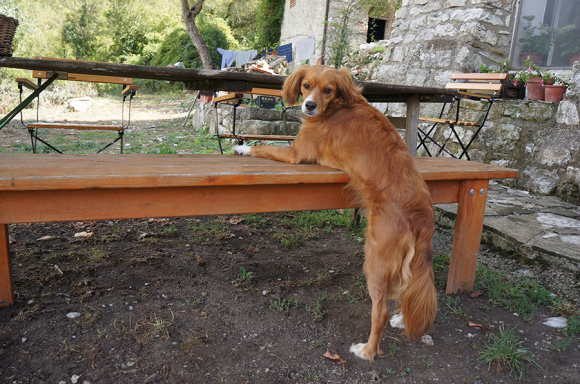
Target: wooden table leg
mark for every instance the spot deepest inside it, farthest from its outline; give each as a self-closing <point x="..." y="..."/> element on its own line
<point x="412" y="122"/>
<point x="6" y="290"/>
<point x="468" y="227"/>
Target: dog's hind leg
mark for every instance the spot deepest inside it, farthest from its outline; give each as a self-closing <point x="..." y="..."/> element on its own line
<point x="378" y="290"/>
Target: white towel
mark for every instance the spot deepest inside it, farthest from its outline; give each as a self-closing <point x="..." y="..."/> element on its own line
<point x="305" y="48"/>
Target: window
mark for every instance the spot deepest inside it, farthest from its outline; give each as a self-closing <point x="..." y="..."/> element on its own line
<point x="548" y="28"/>
<point x="376" y="30"/>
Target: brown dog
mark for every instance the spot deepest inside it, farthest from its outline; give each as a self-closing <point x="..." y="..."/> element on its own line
<point x="341" y="130"/>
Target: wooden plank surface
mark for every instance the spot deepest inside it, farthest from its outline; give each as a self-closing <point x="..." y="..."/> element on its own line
<point x="76" y="126"/>
<point x="20" y="172"/>
<point x="259" y="137"/>
<point x="37" y="74"/>
<point x="478" y="76"/>
<point x="474" y="86"/>
<point x="208" y="79"/>
<point x="27" y="83"/>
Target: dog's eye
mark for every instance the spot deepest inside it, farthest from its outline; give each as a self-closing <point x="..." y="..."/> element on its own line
<point x="327" y="91"/>
<point x="306" y="86"/>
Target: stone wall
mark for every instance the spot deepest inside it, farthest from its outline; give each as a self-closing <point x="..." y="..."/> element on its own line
<point x="540" y="139"/>
<point x="433" y="38"/>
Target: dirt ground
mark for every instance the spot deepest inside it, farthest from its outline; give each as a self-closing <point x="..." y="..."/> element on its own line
<point x="244" y="299"/>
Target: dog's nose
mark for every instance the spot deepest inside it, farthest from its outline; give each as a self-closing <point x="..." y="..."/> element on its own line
<point x="310" y="106"/>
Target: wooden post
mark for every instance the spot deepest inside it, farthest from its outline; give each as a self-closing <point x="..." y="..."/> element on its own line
<point x="412" y="123"/>
<point x="468" y="228"/>
<point x="6" y="291"/>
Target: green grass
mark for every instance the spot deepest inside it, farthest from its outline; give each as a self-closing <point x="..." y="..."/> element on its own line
<point x="505" y="352"/>
<point x="520" y="295"/>
<point x="283" y="305"/>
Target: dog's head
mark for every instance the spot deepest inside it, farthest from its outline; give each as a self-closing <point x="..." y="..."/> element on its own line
<point x="323" y="89"/>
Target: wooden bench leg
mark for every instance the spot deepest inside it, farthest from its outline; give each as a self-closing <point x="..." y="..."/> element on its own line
<point x="6" y="288"/>
<point x="468" y="227"/>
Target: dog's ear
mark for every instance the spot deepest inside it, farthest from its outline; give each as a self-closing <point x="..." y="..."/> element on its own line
<point x="291" y="88"/>
<point x="348" y="91"/>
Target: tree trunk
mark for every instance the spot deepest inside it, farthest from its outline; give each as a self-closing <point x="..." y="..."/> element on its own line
<point x="189" y="15"/>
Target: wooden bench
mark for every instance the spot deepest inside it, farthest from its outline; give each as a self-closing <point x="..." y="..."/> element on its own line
<point x="128" y="90"/>
<point x="53" y="188"/>
<point x="469" y="85"/>
<point x="236" y="100"/>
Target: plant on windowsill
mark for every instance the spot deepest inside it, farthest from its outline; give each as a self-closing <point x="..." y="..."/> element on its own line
<point x="571" y="43"/>
<point x="555" y="93"/>
<point x="534" y="79"/>
<point x="536" y="46"/>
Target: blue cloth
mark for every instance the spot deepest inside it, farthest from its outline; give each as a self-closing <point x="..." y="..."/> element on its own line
<point x="228" y="57"/>
<point x="264" y="51"/>
<point x="285" y="50"/>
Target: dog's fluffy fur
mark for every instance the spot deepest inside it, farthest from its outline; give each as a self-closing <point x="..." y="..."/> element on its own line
<point x="341" y="130"/>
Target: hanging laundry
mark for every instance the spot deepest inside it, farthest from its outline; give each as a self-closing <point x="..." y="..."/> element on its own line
<point x="228" y="57"/>
<point x="305" y="48"/>
<point x="242" y="57"/>
<point x="285" y="50"/>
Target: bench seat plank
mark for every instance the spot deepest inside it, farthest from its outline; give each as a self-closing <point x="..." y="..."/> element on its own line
<point x="259" y="137"/>
<point x="27" y="83"/>
<point x="22" y="172"/>
<point x="76" y="126"/>
<point x="478" y="76"/>
<point x="474" y="86"/>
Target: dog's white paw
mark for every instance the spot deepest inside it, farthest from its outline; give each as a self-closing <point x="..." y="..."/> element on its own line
<point x="357" y="349"/>
<point x="397" y="321"/>
<point x="243" y="150"/>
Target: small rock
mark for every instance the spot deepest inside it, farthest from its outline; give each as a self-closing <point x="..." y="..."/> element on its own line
<point x="427" y="340"/>
<point x="153" y="378"/>
<point x="74" y="379"/>
<point x="556" y="322"/>
<point x="73" y="315"/>
<point x="24" y="339"/>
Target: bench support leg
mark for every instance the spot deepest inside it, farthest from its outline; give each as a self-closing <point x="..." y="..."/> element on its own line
<point x="6" y="287"/>
<point x="468" y="228"/>
<point x="412" y="123"/>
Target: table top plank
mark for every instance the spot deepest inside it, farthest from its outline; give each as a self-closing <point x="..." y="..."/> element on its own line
<point x="28" y="172"/>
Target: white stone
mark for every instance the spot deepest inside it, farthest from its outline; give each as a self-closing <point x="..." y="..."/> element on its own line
<point x="73" y="315"/>
<point x="556" y="322"/>
<point x="74" y="379"/>
<point x="445" y="30"/>
<point x="455" y="3"/>
<point x="567" y="113"/>
<point x="398" y="54"/>
<point x="477" y="14"/>
<point x="427" y="340"/>
<point x="571" y="239"/>
<point x="557" y="220"/>
<point x="479" y="31"/>
<point x="420" y="2"/>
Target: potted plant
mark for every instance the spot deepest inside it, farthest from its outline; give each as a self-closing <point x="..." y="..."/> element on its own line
<point x="571" y="42"/>
<point x="533" y="78"/>
<point x="555" y="93"/>
<point x="536" y="46"/>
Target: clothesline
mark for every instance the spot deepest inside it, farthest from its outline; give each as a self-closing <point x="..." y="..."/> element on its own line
<point x="304" y="50"/>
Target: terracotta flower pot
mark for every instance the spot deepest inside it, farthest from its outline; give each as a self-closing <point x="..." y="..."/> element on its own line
<point x="536" y="58"/>
<point x="573" y="58"/>
<point x="535" y="91"/>
<point x="554" y="93"/>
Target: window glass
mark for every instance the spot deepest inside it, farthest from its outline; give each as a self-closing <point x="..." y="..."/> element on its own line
<point x="548" y="29"/>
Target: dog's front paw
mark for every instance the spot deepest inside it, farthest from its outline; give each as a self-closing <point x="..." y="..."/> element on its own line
<point x="243" y="150"/>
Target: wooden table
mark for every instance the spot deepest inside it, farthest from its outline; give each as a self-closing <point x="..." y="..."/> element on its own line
<point x="240" y="82"/>
<point x="52" y="188"/>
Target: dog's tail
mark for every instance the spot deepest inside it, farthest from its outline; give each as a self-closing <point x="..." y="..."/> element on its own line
<point x="419" y="297"/>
